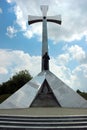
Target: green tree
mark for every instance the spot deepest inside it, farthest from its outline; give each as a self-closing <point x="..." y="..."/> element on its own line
<point x="16" y="82"/>
<point x="83" y="94"/>
<point x="78" y="91"/>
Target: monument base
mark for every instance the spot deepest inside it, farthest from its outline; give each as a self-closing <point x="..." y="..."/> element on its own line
<point x="43" y="119"/>
<point x="44" y="90"/>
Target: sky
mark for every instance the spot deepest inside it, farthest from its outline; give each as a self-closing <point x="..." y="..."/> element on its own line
<point x="21" y="44"/>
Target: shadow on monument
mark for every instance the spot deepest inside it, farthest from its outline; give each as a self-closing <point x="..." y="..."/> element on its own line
<point x="45" y="97"/>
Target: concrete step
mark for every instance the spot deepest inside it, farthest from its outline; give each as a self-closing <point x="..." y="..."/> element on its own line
<point x="43" y="123"/>
<point x="44" y="119"/>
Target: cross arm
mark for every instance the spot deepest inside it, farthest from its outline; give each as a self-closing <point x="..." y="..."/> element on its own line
<point x="34" y="19"/>
<point x="55" y="19"/>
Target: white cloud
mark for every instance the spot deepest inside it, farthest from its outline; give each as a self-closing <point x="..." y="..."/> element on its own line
<point x="32" y="31"/>
<point x="14" y="61"/>
<point x="63" y="59"/>
<point x="77" y="52"/>
<point x="28" y="34"/>
<point x="1" y="11"/>
<point x="20" y="17"/>
<point x="9" y="1"/>
<point x="74" y="22"/>
<point x="3" y="70"/>
<point x="76" y="78"/>
<point x="11" y="32"/>
<point x="63" y="73"/>
<point x="73" y="13"/>
<point x="79" y="77"/>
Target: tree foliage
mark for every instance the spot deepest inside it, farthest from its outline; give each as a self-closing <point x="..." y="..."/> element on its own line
<point x="16" y="82"/>
<point x="83" y="94"/>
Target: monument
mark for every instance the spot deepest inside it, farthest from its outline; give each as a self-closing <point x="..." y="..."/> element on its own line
<point x="44" y="90"/>
<point x="44" y="19"/>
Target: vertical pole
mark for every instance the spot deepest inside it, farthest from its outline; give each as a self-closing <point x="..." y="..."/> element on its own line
<point x="44" y="41"/>
<point x="45" y="57"/>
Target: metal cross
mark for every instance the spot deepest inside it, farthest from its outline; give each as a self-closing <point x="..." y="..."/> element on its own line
<point x="44" y="19"/>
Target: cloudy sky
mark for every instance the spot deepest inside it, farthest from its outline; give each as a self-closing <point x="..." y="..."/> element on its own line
<point x="20" y="44"/>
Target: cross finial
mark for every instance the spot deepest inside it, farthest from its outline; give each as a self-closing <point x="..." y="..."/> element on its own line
<point x="44" y="9"/>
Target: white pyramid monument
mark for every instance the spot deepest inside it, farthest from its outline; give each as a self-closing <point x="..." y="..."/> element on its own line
<point x="44" y="90"/>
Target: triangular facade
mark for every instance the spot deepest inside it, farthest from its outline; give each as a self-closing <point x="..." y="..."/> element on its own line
<point x="48" y="87"/>
<point x="45" y="97"/>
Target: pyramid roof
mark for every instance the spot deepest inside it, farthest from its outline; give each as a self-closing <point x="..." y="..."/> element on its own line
<point x="26" y="95"/>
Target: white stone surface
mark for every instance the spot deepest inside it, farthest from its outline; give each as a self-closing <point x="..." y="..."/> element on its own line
<point x="24" y="97"/>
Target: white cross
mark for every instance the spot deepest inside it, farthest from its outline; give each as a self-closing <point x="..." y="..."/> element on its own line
<point x="44" y="19"/>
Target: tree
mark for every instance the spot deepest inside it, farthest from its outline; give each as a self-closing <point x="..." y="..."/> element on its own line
<point x="83" y="94"/>
<point x="16" y="82"/>
<point x="78" y="91"/>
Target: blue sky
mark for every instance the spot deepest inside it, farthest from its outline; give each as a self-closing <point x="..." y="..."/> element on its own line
<point x="20" y="44"/>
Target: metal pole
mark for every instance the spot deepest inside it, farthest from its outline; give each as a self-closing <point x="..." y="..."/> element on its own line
<point x="44" y="19"/>
<point x="44" y="41"/>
